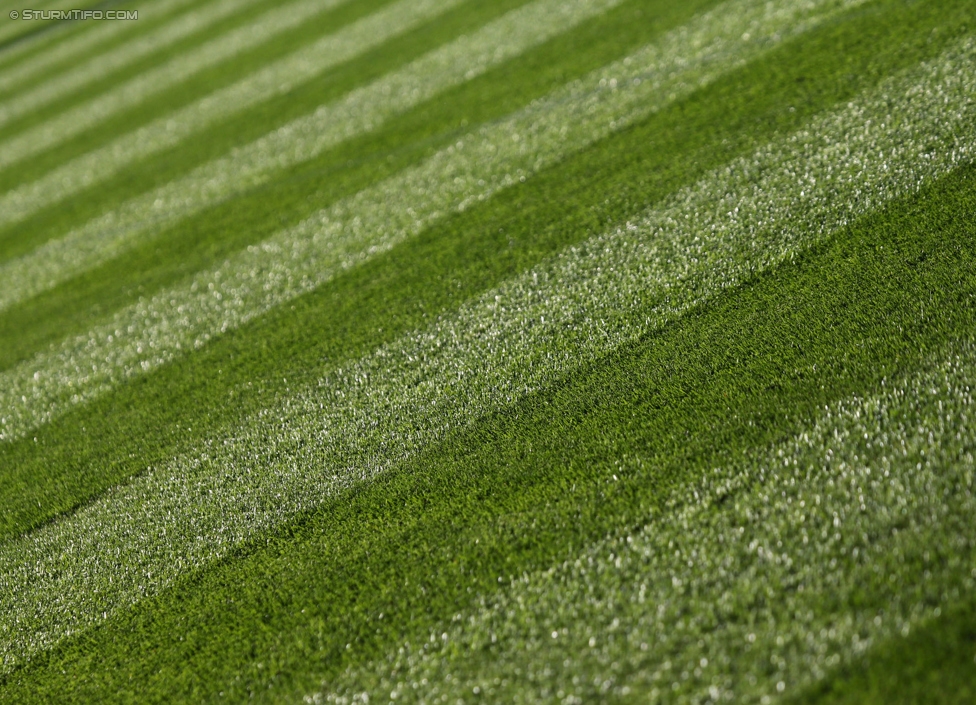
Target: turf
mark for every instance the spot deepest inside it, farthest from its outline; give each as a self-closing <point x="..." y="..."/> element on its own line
<point x="218" y="231"/>
<point x="58" y="50"/>
<point x="932" y="664"/>
<point x="282" y="71"/>
<point x="324" y="601"/>
<point x="400" y="290"/>
<point x="194" y="87"/>
<point x="484" y="505"/>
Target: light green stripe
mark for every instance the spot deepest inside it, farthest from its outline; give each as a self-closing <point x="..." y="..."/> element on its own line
<point x="362" y="110"/>
<point x="140" y="537"/>
<point x="152" y="332"/>
<point x="743" y="591"/>
<point x="102" y="65"/>
<point x="21" y="202"/>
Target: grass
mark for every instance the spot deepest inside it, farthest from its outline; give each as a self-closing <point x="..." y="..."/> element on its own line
<point x="57" y="50"/>
<point x="164" y="131"/>
<point x="932" y="663"/>
<point x="484" y="504"/>
<point x="195" y="86"/>
<point x="418" y="281"/>
<point x="253" y="166"/>
<point x="342" y="171"/>
<point x="326" y="599"/>
<point x="249" y="283"/>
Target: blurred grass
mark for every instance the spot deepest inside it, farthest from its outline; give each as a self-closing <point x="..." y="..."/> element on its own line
<point x="529" y="485"/>
<point x="140" y="423"/>
<point x="935" y="663"/>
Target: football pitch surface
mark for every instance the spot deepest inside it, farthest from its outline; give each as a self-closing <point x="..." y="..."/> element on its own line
<point x="515" y="351"/>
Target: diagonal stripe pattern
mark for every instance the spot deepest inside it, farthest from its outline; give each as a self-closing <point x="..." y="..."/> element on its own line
<point x="82" y="42"/>
<point x="300" y="140"/>
<point x="299" y="259"/>
<point x="740" y="220"/>
<point x="668" y="608"/>
<point x="17" y="204"/>
<point x="99" y="67"/>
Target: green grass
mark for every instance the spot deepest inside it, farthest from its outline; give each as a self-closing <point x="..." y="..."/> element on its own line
<point x="339" y="588"/>
<point x="532" y="484"/>
<point x="163" y="103"/>
<point x="199" y="85"/>
<point x="935" y="663"/>
<point x="219" y="231"/>
<point x="398" y="291"/>
<point x="46" y="39"/>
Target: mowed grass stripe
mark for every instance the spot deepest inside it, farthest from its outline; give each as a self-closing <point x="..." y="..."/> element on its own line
<point x="253" y="165"/>
<point x="103" y="65"/>
<point x="153" y="419"/>
<point x="21" y="201"/>
<point x="757" y="580"/>
<point x="300" y="259"/>
<point x="83" y="46"/>
<point x="534" y="484"/>
<point x="362" y="419"/>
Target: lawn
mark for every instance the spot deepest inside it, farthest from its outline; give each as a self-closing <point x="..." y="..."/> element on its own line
<point x="524" y="351"/>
